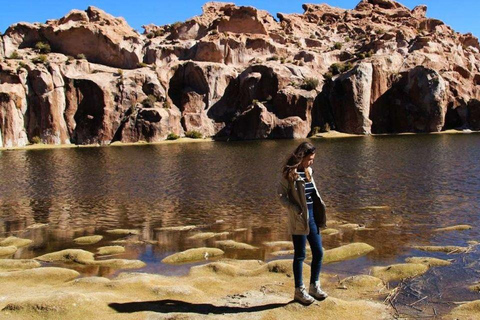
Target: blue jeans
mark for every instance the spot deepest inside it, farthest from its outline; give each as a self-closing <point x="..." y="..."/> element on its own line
<point x="299" y="243"/>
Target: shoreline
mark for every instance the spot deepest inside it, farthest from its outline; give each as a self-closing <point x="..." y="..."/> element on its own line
<point x="325" y="135"/>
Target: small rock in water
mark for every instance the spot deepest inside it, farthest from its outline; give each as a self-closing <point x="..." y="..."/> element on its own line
<point x="7" y="251"/>
<point x="18" y="264"/>
<point x="399" y="271"/>
<point x="123" y="231"/>
<point x="16" y="242"/>
<point x="87" y="240"/>
<point x="284" y="245"/>
<point x="110" y="250"/>
<point x="180" y="228"/>
<point x="37" y="226"/>
<point x="190" y="255"/>
<point x="446" y="249"/>
<point x="230" y="244"/>
<point x="454" y="228"/>
<point x="430" y="262"/>
<point x="329" y="232"/>
<point x="202" y="236"/>
<point x="347" y="252"/>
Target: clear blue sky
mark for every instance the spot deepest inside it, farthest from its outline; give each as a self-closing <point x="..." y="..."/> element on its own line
<point x="462" y="16"/>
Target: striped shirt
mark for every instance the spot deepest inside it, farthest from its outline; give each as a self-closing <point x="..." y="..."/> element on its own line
<point x="309" y="188"/>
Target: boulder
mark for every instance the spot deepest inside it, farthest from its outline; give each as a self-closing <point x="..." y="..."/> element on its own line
<point x="350" y="100"/>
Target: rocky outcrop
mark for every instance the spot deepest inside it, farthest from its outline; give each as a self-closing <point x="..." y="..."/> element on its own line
<point x="350" y="100"/>
<point x="100" y="37"/>
<point x="416" y="103"/>
<point x="13" y="106"/>
<point x="235" y="72"/>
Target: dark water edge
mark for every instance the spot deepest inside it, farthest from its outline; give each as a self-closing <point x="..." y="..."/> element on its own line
<point x="418" y="182"/>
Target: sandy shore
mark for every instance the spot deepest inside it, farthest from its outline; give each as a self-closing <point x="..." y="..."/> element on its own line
<point x="325" y="135"/>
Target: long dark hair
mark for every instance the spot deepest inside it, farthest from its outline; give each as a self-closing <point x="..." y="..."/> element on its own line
<point x="290" y="167"/>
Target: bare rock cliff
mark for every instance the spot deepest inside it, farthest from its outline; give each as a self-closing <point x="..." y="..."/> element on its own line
<point x="237" y="72"/>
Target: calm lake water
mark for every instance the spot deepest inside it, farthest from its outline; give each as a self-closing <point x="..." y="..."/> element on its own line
<point x="421" y="182"/>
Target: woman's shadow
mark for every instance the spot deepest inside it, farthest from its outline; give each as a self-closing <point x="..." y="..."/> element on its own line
<point x="168" y="306"/>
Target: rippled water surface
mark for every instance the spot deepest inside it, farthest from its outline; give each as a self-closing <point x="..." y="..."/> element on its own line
<point x="418" y="183"/>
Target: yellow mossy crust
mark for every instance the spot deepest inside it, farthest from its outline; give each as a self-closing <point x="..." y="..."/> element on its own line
<point x="7" y="251"/>
<point x="18" y="264"/>
<point x="88" y="240"/>
<point x="281" y="245"/>
<point x="329" y="232"/>
<point x="362" y="282"/>
<point x="191" y="255"/>
<point x="230" y="244"/>
<point x="110" y="250"/>
<point x="399" y="271"/>
<point x="202" y="236"/>
<point x="461" y="227"/>
<point x="347" y="252"/>
<point x="40" y="275"/>
<point x="467" y="311"/>
<point x="446" y="249"/>
<point x="179" y="228"/>
<point x="123" y="232"/>
<point x="15" y="242"/>
<point x="430" y="262"/>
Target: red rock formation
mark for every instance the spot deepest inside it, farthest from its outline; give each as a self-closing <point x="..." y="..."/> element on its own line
<point x="236" y="72"/>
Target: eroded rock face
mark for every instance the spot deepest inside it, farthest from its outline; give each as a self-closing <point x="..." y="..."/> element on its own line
<point x="99" y="36"/>
<point x="350" y="100"/>
<point x="416" y="103"/>
<point x="47" y="106"/>
<point x="236" y="72"/>
<point x="13" y="106"/>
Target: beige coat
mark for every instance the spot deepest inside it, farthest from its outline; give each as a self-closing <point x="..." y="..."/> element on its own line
<point x="292" y="197"/>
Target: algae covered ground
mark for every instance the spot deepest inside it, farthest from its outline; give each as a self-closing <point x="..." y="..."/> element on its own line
<point x="54" y="285"/>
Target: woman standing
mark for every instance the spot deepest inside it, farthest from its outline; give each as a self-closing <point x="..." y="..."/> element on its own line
<point x="306" y="215"/>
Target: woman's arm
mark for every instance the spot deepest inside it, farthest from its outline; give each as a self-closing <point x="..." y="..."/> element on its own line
<point x="282" y="192"/>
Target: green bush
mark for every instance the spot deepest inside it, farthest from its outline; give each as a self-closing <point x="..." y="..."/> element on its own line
<point x="309" y="84"/>
<point x="272" y="58"/>
<point x="337" y="46"/>
<point x="347" y="39"/>
<point x="36" y="140"/>
<point x="328" y="75"/>
<point x="338" y="68"/>
<point x="369" y="53"/>
<point x="176" y="24"/>
<point x="149" y="102"/>
<point x="120" y="73"/>
<point x="172" y="136"/>
<point x="43" y="47"/>
<point x="81" y="56"/>
<point x="159" y="32"/>
<point x="166" y="104"/>
<point x="255" y="101"/>
<point x="150" y="35"/>
<point x="15" y="55"/>
<point x="142" y="65"/>
<point x="22" y="65"/>
<point x="193" y="134"/>
<point x="40" y="59"/>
